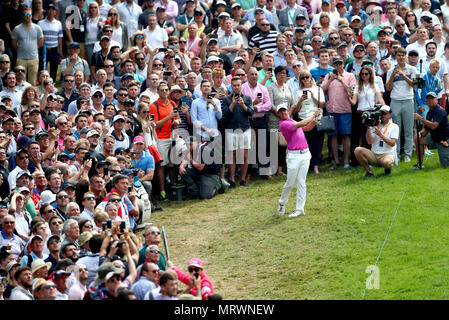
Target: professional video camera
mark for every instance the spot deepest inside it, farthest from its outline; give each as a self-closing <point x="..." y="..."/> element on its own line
<point x="372" y="117"/>
<point x="419" y="82"/>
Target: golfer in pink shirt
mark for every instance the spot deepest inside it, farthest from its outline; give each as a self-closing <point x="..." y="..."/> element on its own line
<point x="298" y="159"/>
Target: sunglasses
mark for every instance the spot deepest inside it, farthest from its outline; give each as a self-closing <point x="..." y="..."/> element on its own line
<point x="364" y="74"/>
<point x="155" y="232"/>
<point x="88" y="226"/>
<point x="50" y="286"/>
<point x="122" y="94"/>
<point x="317" y="41"/>
<point x="155" y="271"/>
<point x="4" y="61"/>
<point x="29" y="128"/>
<point x="333" y="38"/>
<point x="400" y="25"/>
<point x="113" y="280"/>
<point x="182" y="41"/>
<point x="56" y="222"/>
<point x="62" y="123"/>
<point x="63" y="197"/>
<point x="112" y="14"/>
<point x="89" y="198"/>
<point x="83" y="269"/>
<point x="265" y="24"/>
<point x="359" y="50"/>
<point x="8" y="222"/>
<point x="196" y="269"/>
<point x="139" y="37"/>
<point x="305" y="77"/>
<point x="3" y="206"/>
<point x="27" y="14"/>
<point x="316" y="28"/>
<point x="296" y="66"/>
<point x="97" y="96"/>
<point x="308" y="50"/>
<point x="109" y="66"/>
<point x="19" y="70"/>
<point x="240" y="75"/>
<point x="24" y="157"/>
<point x="54" y="241"/>
<point x="163" y="90"/>
<point x="114" y="200"/>
<point x="157" y="65"/>
<point x="338" y="63"/>
<point x="154" y="251"/>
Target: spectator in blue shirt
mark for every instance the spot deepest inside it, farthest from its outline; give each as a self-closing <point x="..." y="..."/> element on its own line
<point x="144" y="161"/>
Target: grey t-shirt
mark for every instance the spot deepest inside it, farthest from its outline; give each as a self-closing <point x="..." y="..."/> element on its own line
<point x="27" y="41"/>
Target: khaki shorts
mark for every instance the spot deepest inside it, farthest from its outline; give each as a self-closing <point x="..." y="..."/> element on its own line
<point x="378" y="159"/>
<point x="164" y="145"/>
<point x="238" y="139"/>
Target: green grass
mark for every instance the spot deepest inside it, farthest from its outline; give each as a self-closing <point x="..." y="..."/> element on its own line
<point x="250" y="253"/>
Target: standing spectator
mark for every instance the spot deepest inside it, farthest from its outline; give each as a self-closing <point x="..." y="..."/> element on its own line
<point x="94" y="24"/>
<point x="52" y="30"/>
<point x="129" y="12"/>
<point x="338" y="87"/>
<point x="75" y="26"/>
<point x="166" y="121"/>
<point x="78" y="289"/>
<point x="119" y="30"/>
<point x="231" y="41"/>
<point x="27" y="38"/>
<point x="400" y="82"/>
<point x="265" y="39"/>
<point x="287" y="16"/>
<point x="171" y="9"/>
<point x="237" y="109"/>
<point x="156" y="36"/>
<point x="74" y="62"/>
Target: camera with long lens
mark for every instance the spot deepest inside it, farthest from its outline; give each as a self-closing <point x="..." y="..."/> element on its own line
<point x="419" y="82"/>
<point x="373" y="116"/>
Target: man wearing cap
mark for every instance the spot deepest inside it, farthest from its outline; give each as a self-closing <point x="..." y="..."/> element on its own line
<point x="251" y="13"/>
<point x="37" y="251"/>
<point x="382" y="139"/>
<point x="371" y="30"/>
<point x="118" y="132"/>
<point x="339" y="91"/>
<point x="22" y="161"/>
<point x="240" y="24"/>
<point x="99" y="57"/>
<point x="60" y="280"/>
<point x="230" y="42"/>
<point x="287" y="16"/>
<point x="54" y="246"/>
<point x="183" y="20"/>
<point x="144" y="161"/>
<point x="52" y="31"/>
<point x="298" y="159"/>
<point x="435" y="131"/>
<point x="74" y="62"/>
<point x="196" y="271"/>
<point x="359" y="54"/>
<point x="342" y="50"/>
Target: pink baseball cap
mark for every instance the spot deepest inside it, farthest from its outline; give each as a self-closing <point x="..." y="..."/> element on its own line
<point x="195" y="262"/>
<point x="138" y="139"/>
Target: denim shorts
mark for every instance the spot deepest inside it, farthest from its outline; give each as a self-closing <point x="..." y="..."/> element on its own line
<point x="343" y="123"/>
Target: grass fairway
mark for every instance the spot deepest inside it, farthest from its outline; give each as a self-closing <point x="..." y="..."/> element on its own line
<point x="251" y="253"/>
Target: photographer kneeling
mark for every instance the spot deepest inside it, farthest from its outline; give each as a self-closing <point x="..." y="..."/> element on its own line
<point x="382" y="138"/>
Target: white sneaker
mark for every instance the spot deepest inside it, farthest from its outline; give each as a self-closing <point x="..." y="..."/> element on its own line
<point x="225" y="183"/>
<point x="407" y="159"/>
<point x="296" y="214"/>
<point x="281" y="210"/>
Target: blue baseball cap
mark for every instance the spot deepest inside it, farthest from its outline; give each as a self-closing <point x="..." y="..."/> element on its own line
<point x="74" y="45"/>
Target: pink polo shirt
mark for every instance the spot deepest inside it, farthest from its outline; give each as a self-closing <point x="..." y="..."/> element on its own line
<point x="295" y="138"/>
<point x="338" y="99"/>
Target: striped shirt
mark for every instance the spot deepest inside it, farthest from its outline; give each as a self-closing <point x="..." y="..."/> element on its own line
<point x="52" y="32"/>
<point x="267" y="43"/>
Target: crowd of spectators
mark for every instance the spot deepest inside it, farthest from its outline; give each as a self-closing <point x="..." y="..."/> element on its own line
<point x="109" y="108"/>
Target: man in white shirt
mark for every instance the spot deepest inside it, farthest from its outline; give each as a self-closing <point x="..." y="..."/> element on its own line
<point x="155" y="35"/>
<point x="382" y="139"/>
<point x="129" y="12"/>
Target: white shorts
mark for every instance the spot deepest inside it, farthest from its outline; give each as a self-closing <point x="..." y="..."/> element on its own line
<point x="238" y="139"/>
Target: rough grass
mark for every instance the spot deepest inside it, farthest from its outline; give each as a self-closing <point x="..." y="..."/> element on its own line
<point x="250" y="253"/>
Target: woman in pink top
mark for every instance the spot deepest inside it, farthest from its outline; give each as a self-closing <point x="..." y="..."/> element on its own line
<point x="298" y="158"/>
